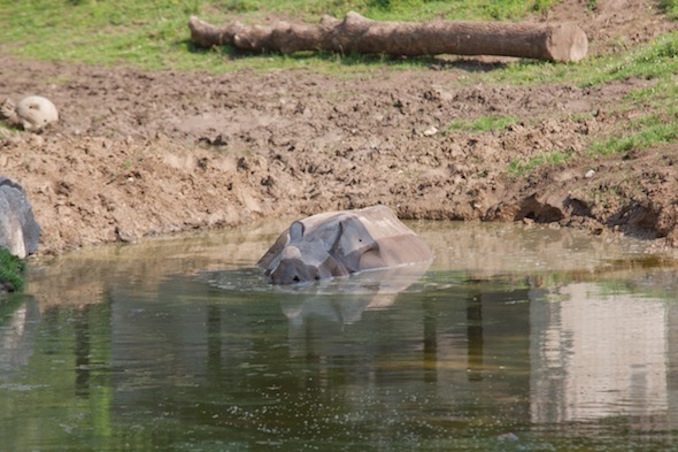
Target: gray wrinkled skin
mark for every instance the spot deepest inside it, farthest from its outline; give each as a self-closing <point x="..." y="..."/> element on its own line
<point x="341" y="243"/>
<point x="19" y="232"/>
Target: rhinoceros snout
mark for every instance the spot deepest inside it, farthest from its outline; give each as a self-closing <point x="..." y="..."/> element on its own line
<point x="293" y="271"/>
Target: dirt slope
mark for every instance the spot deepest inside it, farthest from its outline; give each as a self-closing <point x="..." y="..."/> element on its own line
<point x="138" y="154"/>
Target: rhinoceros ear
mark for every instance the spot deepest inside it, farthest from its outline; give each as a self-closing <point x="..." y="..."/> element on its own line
<point x="352" y="241"/>
<point x="296" y="231"/>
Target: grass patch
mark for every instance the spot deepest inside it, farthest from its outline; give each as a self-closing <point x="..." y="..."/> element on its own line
<point x="154" y="34"/>
<point x="4" y="131"/>
<point x="657" y="59"/>
<point x="670" y="8"/>
<point x="651" y="131"/>
<point x="661" y="95"/>
<point x="406" y="10"/>
<point x="647" y="131"/>
<point x="483" y="123"/>
<point x="518" y="167"/>
<point x="11" y="270"/>
<point x="7" y="130"/>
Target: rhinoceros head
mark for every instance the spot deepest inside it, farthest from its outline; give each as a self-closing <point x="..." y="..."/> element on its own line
<point x="293" y="268"/>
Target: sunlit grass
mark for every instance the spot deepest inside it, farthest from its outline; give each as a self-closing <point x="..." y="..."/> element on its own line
<point x="154" y="34"/>
<point x="649" y="131"/>
<point x="483" y="123"/>
<point x="519" y="166"/>
<point x="670" y="8"/>
<point x="407" y="10"/>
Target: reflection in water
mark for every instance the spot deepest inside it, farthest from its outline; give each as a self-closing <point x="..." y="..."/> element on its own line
<point x="18" y="322"/>
<point x="82" y="352"/>
<point x="597" y="354"/>
<point x="474" y="333"/>
<point x="178" y="348"/>
<point x="343" y="300"/>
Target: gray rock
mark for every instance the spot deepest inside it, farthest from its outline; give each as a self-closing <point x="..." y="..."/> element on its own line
<point x="19" y="232"/>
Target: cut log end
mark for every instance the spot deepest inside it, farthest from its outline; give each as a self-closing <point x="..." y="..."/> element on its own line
<point x="567" y="43"/>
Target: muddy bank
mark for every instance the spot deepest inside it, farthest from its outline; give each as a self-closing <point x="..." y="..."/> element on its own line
<point x="139" y="154"/>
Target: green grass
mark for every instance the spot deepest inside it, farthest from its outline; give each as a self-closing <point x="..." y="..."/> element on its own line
<point x="11" y="269"/>
<point x="407" y="10"/>
<point x="483" y="123"/>
<point x="518" y="167"/>
<point x="646" y="132"/>
<point x="641" y="133"/>
<point x="154" y="34"/>
<point x="670" y="8"/>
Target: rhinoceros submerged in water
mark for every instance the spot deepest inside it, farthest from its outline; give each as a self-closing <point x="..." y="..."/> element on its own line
<point x="341" y="243"/>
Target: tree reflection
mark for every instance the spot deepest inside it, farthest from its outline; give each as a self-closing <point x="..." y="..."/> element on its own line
<point x="474" y="333"/>
<point x="82" y="352"/>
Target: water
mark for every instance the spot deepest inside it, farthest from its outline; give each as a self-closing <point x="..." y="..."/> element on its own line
<point x="513" y="339"/>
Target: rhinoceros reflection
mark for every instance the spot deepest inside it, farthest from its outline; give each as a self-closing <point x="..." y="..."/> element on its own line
<point x="344" y="300"/>
<point x="342" y="243"/>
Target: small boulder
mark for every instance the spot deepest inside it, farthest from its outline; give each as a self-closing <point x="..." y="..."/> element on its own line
<point x="19" y="232"/>
<point x="35" y="112"/>
<point x="31" y="113"/>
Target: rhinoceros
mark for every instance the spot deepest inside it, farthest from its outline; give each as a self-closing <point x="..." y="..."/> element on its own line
<point x="341" y="243"/>
<point x="19" y="232"/>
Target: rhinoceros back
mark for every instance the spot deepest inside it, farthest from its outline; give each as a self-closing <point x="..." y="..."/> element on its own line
<point x="397" y="244"/>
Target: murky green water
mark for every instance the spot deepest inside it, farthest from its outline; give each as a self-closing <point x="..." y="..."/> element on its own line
<point x="513" y="339"/>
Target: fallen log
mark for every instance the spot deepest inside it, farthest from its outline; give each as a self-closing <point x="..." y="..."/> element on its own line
<point x="563" y="42"/>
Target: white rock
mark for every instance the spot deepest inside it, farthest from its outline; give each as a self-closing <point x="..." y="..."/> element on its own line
<point x="35" y="112"/>
<point x="430" y="131"/>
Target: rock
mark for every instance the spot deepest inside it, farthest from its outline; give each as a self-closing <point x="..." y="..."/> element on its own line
<point x="430" y="131"/>
<point x="35" y="112"/>
<point x="19" y="232"/>
<point x="31" y="113"/>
